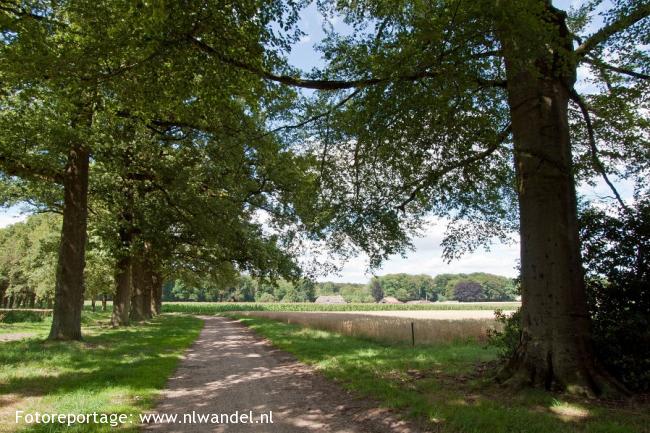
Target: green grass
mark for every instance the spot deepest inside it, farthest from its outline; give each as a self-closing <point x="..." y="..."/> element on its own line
<point x="40" y="329"/>
<point x="224" y="307"/>
<point x="447" y="386"/>
<point x="111" y="371"/>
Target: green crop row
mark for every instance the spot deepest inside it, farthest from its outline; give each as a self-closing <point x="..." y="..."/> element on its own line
<point x="222" y="307"/>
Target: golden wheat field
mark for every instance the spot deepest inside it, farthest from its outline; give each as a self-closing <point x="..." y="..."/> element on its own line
<point x="411" y="327"/>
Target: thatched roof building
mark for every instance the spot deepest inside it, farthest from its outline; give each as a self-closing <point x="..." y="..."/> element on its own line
<point x="390" y="300"/>
<point x="336" y="299"/>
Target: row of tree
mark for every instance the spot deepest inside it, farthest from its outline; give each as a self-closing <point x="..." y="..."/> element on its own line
<point x="155" y="156"/>
<point x="404" y="287"/>
<point x="164" y="121"/>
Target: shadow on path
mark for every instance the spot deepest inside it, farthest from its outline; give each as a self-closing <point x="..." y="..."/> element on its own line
<point x="229" y="368"/>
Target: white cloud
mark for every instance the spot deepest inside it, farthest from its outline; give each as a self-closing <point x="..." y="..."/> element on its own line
<point x="10" y="216"/>
<point x="427" y="259"/>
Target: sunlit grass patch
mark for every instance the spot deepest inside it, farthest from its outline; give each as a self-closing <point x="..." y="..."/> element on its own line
<point x="447" y="385"/>
<point x="111" y="371"/>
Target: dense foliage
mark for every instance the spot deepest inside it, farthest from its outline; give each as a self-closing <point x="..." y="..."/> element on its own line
<point x="617" y="259"/>
<point x="468" y="291"/>
<point x="28" y="257"/>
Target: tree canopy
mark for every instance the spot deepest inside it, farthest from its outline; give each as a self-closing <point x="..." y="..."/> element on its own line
<point x="174" y="135"/>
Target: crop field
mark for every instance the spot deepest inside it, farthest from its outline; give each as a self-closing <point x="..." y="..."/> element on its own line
<point x="393" y="326"/>
<point x="224" y="307"/>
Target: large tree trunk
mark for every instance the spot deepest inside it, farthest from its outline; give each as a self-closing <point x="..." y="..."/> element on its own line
<point x="156" y="298"/>
<point x="122" y="297"/>
<point x="4" y="285"/>
<point x="68" y="294"/>
<point x="148" y="282"/>
<point x="556" y="345"/>
<point x="138" y="296"/>
<point x="148" y="293"/>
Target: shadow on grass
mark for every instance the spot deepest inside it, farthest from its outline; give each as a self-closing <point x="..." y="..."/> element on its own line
<point x="111" y="370"/>
<point x="449" y="385"/>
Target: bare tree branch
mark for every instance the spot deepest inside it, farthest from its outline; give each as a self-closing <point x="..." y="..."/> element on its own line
<point x="598" y="164"/>
<point x="636" y="15"/>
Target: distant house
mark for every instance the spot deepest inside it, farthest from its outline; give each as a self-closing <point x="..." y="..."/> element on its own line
<point x="336" y="299"/>
<point x="390" y="300"/>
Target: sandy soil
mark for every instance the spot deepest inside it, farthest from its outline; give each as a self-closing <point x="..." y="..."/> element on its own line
<point x="231" y="369"/>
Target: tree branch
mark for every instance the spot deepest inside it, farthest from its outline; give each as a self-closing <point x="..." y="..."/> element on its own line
<point x="328" y="85"/>
<point x="435" y="175"/>
<point x="339" y="104"/>
<point x="600" y="64"/>
<point x="12" y="167"/>
<point x="623" y="22"/>
<point x="598" y="164"/>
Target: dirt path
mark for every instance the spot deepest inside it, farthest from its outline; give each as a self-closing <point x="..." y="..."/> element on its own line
<point x="16" y="336"/>
<point x="231" y="369"/>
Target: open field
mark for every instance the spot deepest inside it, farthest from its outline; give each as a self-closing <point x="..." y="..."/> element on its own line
<point x="394" y="326"/>
<point x="111" y="371"/>
<point x="448" y="386"/>
<point x="425" y="314"/>
<point x="222" y="307"/>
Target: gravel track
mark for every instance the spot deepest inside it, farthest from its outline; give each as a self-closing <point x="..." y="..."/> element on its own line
<point x="229" y="368"/>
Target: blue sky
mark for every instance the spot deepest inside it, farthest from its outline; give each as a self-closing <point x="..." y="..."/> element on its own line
<point x="427" y="257"/>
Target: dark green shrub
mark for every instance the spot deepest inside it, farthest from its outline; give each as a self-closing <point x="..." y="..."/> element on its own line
<point x="616" y="250"/>
<point x="469" y="291"/>
<point x="506" y="339"/>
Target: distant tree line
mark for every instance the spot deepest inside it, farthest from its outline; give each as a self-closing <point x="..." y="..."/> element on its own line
<point x="242" y="288"/>
<point x="473" y="287"/>
<point x="28" y="260"/>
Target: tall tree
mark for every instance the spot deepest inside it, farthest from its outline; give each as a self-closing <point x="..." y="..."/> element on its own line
<point x="444" y="95"/>
<point x="70" y="69"/>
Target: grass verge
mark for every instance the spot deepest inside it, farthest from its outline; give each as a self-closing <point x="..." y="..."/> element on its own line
<point x="447" y="385"/>
<point x="111" y="371"/>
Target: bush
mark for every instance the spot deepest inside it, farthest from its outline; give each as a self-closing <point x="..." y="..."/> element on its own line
<point x="267" y="297"/>
<point x="616" y="250"/>
<point x="506" y="340"/>
<point x="17" y="316"/>
<point x="469" y="291"/>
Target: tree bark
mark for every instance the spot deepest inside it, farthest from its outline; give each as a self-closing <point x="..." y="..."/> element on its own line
<point x="104" y="302"/>
<point x="156" y="298"/>
<point x="149" y="289"/>
<point x="138" y="296"/>
<point x="3" y="291"/>
<point x="69" y="288"/>
<point x="555" y="351"/>
<point x="92" y="304"/>
<point x="148" y="282"/>
<point x="122" y="298"/>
